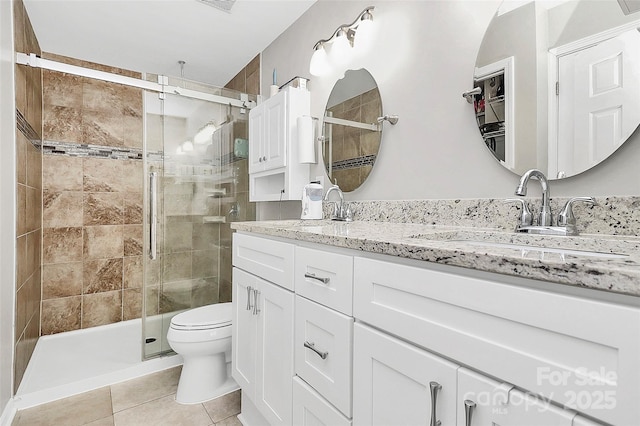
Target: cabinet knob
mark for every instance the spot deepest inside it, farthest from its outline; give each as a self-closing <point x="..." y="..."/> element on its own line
<point x="264" y="158"/>
<point x="469" y="406"/>
<point x="434" y="387"/>
<point x="259" y="159"/>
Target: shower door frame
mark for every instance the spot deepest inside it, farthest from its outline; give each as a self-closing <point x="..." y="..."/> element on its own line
<point x="162" y="87"/>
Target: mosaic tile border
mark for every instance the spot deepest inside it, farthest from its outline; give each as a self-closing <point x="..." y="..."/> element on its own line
<point x="25" y="128"/>
<point x="86" y="150"/>
<point x="352" y="163"/>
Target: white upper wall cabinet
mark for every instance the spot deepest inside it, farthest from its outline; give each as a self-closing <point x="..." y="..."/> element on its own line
<point x="274" y="171"/>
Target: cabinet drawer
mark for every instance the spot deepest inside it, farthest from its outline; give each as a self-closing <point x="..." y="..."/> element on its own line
<point x="268" y="259"/>
<point x="325" y="277"/>
<point x="310" y="409"/>
<point x="326" y="365"/>
<point x="547" y="343"/>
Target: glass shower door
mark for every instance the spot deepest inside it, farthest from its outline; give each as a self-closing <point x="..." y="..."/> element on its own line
<point x="193" y="165"/>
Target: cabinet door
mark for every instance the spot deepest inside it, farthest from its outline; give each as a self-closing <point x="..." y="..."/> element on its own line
<point x="392" y="382"/>
<point x="483" y="401"/>
<point x="275" y="144"/>
<point x="275" y="353"/>
<point x="243" y="329"/>
<point x="256" y="138"/>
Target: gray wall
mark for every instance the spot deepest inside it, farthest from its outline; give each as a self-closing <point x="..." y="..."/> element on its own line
<point x="7" y="200"/>
<point x="425" y="53"/>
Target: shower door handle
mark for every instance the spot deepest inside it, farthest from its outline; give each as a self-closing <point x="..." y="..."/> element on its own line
<point x="153" y="215"/>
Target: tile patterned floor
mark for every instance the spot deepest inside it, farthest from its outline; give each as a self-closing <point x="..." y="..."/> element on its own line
<point x="148" y="400"/>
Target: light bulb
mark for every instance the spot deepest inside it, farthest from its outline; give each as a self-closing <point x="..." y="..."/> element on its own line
<point x="364" y="33"/>
<point x="187" y="146"/>
<point x="340" y="48"/>
<point x="319" y="64"/>
<point x="204" y="135"/>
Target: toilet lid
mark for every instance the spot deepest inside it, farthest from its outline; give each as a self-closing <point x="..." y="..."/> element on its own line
<point x="204" y="317"/>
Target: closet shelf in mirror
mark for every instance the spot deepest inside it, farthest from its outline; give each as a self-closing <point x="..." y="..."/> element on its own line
<point x="495" y="134"/>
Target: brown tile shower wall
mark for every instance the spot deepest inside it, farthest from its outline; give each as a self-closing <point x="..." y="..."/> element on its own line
<point x="246" y="81"/>
<point x="29" y="200"/>
<point x="92" y="204"/>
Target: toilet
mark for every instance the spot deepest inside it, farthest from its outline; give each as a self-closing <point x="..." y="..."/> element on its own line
<point x="203" y="337"/>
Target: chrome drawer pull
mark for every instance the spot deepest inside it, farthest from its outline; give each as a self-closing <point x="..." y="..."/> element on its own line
<point x="468" y="411"/>
<point x="313" y="277"/>
<point x="311" y="346"/>
<point x="435" y="387"/>
<point x="249" y="307"/>
<point x="256" y="310"/>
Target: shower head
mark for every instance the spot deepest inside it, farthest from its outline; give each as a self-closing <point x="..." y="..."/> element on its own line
<point x="224" y="5"/>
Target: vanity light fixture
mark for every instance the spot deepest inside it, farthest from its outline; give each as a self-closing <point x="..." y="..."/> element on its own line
<point x="341" y="41"/>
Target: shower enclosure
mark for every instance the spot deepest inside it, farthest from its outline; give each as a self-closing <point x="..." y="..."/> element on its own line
<point x="196" y="183"/>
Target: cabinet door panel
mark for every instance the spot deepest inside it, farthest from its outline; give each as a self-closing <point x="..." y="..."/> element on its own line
<point x="256" y="138"/>
<point x="391" y="381"/>
<point x="276" y="132"/>
<point x="502" y="405"/>
<point x="243" y="329"/>
<point x="275" y="357"/>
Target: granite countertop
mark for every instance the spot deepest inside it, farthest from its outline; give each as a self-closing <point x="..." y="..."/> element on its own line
<point x="568" y="260"/>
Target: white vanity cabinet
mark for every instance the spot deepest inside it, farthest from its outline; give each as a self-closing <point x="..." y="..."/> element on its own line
<point x="262" y="329"/>
<point x="574" y="351"/>
<point x="274" y="170"/>
<point x="382" y="340"/>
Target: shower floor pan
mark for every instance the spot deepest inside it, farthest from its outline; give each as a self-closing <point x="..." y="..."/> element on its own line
<point x="73" y="362"/>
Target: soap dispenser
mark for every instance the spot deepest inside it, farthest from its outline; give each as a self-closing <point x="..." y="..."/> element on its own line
<point x="312" y="201"/>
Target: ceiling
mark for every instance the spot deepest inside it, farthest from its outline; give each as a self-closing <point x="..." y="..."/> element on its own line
<point x="153" y="35"/>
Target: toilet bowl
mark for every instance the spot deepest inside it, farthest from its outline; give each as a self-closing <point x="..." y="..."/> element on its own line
<point x="203" y="337"/>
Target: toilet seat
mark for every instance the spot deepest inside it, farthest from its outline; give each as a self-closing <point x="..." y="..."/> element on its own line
<point x="203" y="318"/>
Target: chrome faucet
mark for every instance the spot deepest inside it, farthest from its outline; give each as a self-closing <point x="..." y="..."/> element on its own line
<point x="544" y="217"/>
<point x="566" y="224"/>
<point x="341" y="211"/>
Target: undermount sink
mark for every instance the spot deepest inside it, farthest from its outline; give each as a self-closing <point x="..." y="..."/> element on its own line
<point x="575" y="246"/>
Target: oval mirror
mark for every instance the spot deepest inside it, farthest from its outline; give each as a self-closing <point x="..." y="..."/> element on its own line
<point x="556" y="83"/>
<point x="351" y="132"/>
